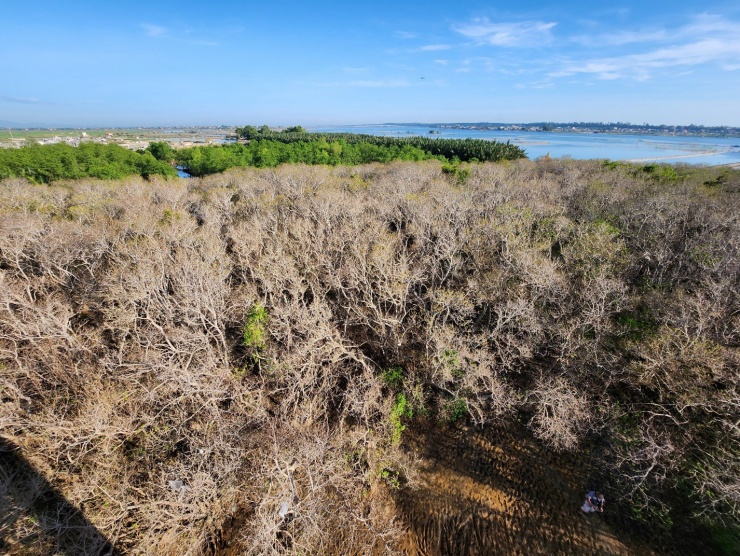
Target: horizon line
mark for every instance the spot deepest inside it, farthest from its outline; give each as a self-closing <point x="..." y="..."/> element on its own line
<point x="20" y="127"/>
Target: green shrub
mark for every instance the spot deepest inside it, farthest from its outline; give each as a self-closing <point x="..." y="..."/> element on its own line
<point x="254" y="331"/>
<point x="393" y="377"/>
<point x="401" y="409"/>
<point x="454" y="410"/>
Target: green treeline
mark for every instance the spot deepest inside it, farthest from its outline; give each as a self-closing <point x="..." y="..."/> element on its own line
<point x="203" y="161"/>
<point x="47" y="163"/>
<point x="464" y="149"/>
<point x="266" y="148"/>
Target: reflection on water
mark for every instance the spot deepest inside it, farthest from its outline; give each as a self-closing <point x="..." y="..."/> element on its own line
<point x="637" y="148"/>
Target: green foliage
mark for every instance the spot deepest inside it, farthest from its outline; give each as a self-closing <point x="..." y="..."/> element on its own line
<point x="702" y="257"/>
<point x="401" y="410"/>
<point x="202" y="161"/>
<point x="606" y="228"/>
<point x="169" y="216"/>
<point x="393" y="377"/>
<point x="653" y="514"/>
<point x="268" y="148"/>
<point x="721" y="179"/>
<point x="161" y="150"/>
<point x="638" y="326"/>
<point x="726" y="540"/>
<point x="254" y="331"/>
<point x="454" y="409"/>
<point x="661" y="172"/>
<point x="357" y="183"/>
<point x="248" y="132"/>
<point x="450" y="358"/>
<point x="47" y="163"/>
<point x="454" y="169"/>
<point x="391" y="477"/>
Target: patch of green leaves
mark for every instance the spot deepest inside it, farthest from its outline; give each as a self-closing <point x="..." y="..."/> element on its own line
<point x="451" y="359"/>
<point x="393" y="377"/>
<point x="391" y="477"/>
<point x="401" y="410"/>
<point x="254" y="331"/>
<point x="454" y="169"/>
<point x="638" y="325"/>
<point x="661" y="172"/>
<point x="454" y="410"/>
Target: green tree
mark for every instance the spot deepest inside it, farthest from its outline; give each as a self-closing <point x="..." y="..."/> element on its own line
<point x="161" y="150"/>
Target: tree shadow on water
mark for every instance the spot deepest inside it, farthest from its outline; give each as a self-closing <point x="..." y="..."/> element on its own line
<point x="35" y="517"/>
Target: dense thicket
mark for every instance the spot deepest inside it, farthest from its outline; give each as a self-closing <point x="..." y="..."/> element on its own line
<point x="203" y="161"/>
<point x="266" y="336"/>
<point x="47" y="163"/>
<point x="465" y="150"/>
<point x="270" y="149"/>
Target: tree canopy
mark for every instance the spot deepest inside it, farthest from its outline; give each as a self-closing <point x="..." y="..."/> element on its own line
<point x="47" y="163"/>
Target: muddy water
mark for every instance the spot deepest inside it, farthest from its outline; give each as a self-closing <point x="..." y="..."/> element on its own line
<point x="494" y="492"/>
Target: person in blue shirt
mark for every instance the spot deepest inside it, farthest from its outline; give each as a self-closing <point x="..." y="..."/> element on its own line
<point x="595" y="502"/>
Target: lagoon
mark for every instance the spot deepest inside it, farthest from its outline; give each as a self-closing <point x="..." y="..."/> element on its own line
<point x="624" y="147"/>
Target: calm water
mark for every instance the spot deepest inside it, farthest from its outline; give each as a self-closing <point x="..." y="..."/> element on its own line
<point x="638" y="148"/>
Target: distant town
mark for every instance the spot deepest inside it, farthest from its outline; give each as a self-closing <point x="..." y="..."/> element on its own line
<point x="133" y="138"/>
<point x="597" y="127"/>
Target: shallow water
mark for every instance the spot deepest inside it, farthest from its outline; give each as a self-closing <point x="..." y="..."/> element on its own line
<point x="636" y="148"/>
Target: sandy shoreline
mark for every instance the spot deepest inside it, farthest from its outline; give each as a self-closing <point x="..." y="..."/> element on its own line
<point x="692" y="155"/>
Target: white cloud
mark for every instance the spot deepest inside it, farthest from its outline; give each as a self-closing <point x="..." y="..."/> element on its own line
<point x="701" y="26"/>
<point x="153" y="30"/>
<point x="622" y="38"/>
<point x="380" y="83"/>
<point x="18" y="100"/>
<point x="706" y="39"/>
<point x="406" y="35"/>
<point x="704" y="24"/>
<point x="511" y="34"/>
<point x="640" y="66"/>
<point x="177" y="35"/>
<point x="441" y="62"/>
<point x="534" y="85"/>
<point x="476" y="63"/>
<point x="432" y="47"/>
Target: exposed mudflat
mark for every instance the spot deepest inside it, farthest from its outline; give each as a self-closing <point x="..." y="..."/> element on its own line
<point x="491" y="492"/>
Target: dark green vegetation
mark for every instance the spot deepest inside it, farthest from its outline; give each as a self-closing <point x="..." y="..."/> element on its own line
<point x="465" y="150"/>
<point x="264" y="153"/>
<point x="267" y="149"/>
<point x="273" y="336"/>
<point x="47" y="163"/>
<point x="43" y="164"/>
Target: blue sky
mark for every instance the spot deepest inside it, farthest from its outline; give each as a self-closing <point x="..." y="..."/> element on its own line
<point x="96" y="63"/>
